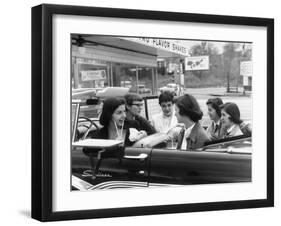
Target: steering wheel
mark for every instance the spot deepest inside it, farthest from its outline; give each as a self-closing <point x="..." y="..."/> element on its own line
<point x="92" y="123"/>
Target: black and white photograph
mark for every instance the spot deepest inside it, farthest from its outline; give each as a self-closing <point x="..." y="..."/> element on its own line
<point x="150" y="112"/>
<point x="144" y="112"/>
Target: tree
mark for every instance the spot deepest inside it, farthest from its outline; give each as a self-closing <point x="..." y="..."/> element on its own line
<point x="229" y="54"/>
<point x="206" y="48"/>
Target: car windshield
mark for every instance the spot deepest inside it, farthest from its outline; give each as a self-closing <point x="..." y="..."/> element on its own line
<point x="82" y="95"/>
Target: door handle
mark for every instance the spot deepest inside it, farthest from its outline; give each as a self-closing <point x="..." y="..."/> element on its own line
<point x="141" y="156"/>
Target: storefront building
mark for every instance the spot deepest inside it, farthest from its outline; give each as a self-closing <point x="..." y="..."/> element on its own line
<point x="102" y="61"/>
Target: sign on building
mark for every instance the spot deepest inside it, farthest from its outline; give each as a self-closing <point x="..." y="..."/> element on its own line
<point x="90" y="61"/>
<point x="246" y="68"/>
<point x="93" y="75"/>
<point x="197" y="63"/>
<point x="164" y="44"/>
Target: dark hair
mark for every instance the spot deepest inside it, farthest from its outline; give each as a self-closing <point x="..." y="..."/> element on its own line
<point x="233" y="110"/>
<point x="131" y="97"/>
<point x="216" y="104"/>
<point x="189" y="106"/>
<point x="108" y="108"/>
<point x="166" y="96"/>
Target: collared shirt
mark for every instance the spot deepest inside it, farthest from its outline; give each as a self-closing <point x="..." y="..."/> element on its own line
<point x="230" y="129"/>
<point x="214" y="130"/>
<point x="163" y="123"/>
<point x="216" y="125"/>
<point x="186" y="135"/>
<point x="234" y="130"/>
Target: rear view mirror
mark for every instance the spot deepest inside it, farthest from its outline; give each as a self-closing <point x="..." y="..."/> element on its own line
<point x="93" y="101"/>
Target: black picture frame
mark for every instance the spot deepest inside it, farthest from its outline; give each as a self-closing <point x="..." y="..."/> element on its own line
<point x="42" y="106"/>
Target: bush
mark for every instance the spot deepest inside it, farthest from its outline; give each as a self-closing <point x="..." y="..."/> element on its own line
<point x="208" y="80"/>
<point x="191" y="81"/>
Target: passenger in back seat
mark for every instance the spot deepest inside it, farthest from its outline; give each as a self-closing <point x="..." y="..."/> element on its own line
<point x="134" y="104"/>
<point x="165" y="120"/>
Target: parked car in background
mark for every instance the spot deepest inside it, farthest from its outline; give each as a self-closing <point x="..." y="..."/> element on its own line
<point x="141" y="89"/>
<point x="171" y="87"/>
<point x="126" y="83"/>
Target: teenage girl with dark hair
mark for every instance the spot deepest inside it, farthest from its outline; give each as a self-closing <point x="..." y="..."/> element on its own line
<point x="189" y="113"/>
<point x="230" y="118"/>
<point x="215" y="130"/>
<point x="115" y="127"/>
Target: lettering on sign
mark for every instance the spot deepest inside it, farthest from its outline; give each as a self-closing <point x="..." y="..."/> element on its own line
<point x="93" y="75"/>
<point x="197" y="63"/>
<point x="246" y="68"/>
<point x="90" y="61"/>
<point x="164" y="44"/>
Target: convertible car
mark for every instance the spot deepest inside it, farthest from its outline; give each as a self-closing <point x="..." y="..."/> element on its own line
<point x="154" y="160"/>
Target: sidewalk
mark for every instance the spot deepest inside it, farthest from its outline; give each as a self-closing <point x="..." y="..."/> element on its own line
<point x="216" y="91"/>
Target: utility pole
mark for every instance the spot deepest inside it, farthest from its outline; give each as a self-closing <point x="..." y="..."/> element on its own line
<point x="228" y="85"/>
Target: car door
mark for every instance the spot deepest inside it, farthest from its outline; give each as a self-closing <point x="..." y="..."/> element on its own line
<point x="131" y="170"/>
<point x="210" y="165"/>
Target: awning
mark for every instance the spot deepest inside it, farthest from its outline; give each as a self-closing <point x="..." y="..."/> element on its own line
<point x="138" y="51"/>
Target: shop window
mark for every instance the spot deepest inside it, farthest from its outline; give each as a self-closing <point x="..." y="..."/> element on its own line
<point x="88" y="77"/>
<point x="145" y="81"/>
<point x="88" y="73"/>
<point x="124" y="75"/>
